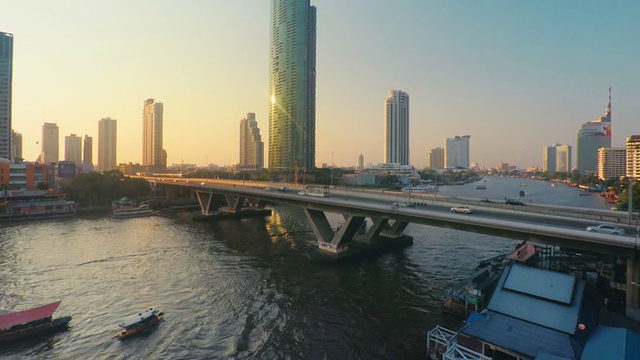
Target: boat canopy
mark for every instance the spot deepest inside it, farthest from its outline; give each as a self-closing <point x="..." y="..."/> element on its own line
<point x="27" y="316"/>
<point x="137" y="319"/>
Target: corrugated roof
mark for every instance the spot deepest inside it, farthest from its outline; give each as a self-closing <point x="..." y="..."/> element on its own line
<point x="538" y="296"/>
<point x="520" y="336"/>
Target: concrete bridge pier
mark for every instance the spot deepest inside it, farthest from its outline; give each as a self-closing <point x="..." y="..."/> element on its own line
<point x="234" y="202"/>
<point x="170" y="192"/>
<point x="381" y="233"/>
<point x="633" y="289"/>
<point x="205" y="199"/>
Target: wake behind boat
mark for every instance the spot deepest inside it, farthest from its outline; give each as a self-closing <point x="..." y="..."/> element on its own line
<point x="22" y="324"/>
<point x="139" y="323"/>
<point x="127" y="208"/>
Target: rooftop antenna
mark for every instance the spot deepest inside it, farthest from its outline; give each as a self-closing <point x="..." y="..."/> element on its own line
<point x="607" y="111"/>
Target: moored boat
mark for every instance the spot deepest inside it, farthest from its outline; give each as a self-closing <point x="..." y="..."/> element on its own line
<point x="139" y="323"/>
<point x="22" y="324"/>
<point x="37" y="207"/>
<point x="420" y="189"/>
<point x="127" y="208"/>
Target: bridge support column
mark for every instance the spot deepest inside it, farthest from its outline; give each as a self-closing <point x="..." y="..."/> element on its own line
<point x="205" y="200"/>
<point x="633" y="289"/>
<point x="170" y="193"/>
<point x="234" y="203"/>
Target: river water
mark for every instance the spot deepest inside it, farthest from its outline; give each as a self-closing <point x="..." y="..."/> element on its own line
<point x="240" y="289"/>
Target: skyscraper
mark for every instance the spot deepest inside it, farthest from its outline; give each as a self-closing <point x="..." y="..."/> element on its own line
<point x="633" y="156"/>
<point x="50" y="143"/>
<point x="436" y="158"/>
<point x="73" y="149"/>
<point x="87" y="151"/>
<point x="292" y="85"/>
<point x="396" y="128"/>
<point x="107" y="142"/>
<point x="556" y="158"/>
<point x="16" y="147"/>
<point x="6" y="75"/>
<point x="592" y="136"/>
<point x="251" y="145"/>
<point x="361" y="162"/>
<point x="612" y="162"/>
<point x="456" y="152"/>
<point x="152" y="136"/>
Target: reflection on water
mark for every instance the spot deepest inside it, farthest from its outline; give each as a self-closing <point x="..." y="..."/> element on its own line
<point x="234" y="289"/>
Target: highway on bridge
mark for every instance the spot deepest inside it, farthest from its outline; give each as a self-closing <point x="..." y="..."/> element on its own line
<point x="552" y="225"/>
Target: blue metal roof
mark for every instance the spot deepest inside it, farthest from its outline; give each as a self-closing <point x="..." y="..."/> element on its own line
<point x="521" y="336"/>
<point x="612" y="343"/>
<point x="541" y="297"/>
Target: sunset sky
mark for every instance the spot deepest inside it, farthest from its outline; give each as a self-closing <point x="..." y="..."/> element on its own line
<point x="515" y="75"/>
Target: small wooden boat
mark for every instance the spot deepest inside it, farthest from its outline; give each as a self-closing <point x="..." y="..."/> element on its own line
<point x="139" y="323"/>
<point x="22" y="324"/>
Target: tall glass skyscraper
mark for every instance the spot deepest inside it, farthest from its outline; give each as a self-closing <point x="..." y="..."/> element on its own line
<point x="396" y="132"/>
<point x="6" y="74"/>
<point x="152" y="135"/>
<point x="292" y="85"/>
<point x="107" y="144"/>
<point x="592" y="136"/>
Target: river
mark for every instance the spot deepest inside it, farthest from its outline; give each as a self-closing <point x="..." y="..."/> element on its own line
<point x="240" y="289"/>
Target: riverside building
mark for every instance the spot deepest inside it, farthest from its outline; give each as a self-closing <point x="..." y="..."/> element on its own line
<point x="292" y="85"/>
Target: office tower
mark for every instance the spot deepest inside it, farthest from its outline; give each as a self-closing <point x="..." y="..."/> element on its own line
<point x="6" y="78"/>
<point x="556" y="158"/>
<point x="251" y="145"/>
<point x="87" y="151"/>
<point x="361" y="162"/>
<point x="16" y="147"/>
<point x="633" y="156"/>
<point x="396" y="128"/>
<point x="292" y="85"/>
<point x="436" y="158"/>
<point x="612" y="162"/>
<point x="456" y="152"/>
<point x="73" y="149"/>
<point x="107" y="142"/>
<point x="49" y="144"/>
<point x="152" y="135"/>
<point x="592" y="136"/>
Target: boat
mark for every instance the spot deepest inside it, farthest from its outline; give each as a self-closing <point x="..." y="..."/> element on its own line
<point x="139" y="323"/>
<point x="472" y="293"/>
<point x="127" y="208"/>
<point x="521" y="192"/>
<point x="37" y="207"/>
<point x="481" y="187"/>
<point x="553" y="185"/>
<point x="39" y="320"/>
<point x="522" y="184"/>
<point x="420" y="189"/>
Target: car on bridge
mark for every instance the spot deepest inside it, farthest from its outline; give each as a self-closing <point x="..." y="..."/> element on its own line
<point x="513" y="202"/>
<point x="461" y="209"/>
<point x="606" y="229"/>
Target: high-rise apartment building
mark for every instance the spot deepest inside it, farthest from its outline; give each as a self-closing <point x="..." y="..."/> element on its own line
<point x="50" y="143"/>
<point x="361" y="162"/>
<point x="456" y="152"/>
<point x="592" y="136"/>
<point x="436" y="158"/>
<point x="87" y="150"/>
<point x="556" y="158"/>
<point x="292" y="85"/>
<point x="107" y="144"/>
<point x="251" y="145"/>
<point x="6" y="78"/>
<point x="16" y="147"/>
<point x="73" y="149"/>
<point x="152" y="136"/>
<point x="633" y="156"/>
<point x="396" y="128"/>
<point x="612" y="162"/>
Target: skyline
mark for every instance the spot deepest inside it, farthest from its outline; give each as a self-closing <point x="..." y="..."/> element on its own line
<point x="470" y="69"/>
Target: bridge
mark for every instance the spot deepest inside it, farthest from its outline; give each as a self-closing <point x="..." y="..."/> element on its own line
<point x="391" y="212"/>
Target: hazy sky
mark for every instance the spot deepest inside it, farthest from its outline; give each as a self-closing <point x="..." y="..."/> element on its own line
<point x="515" y="75"/>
